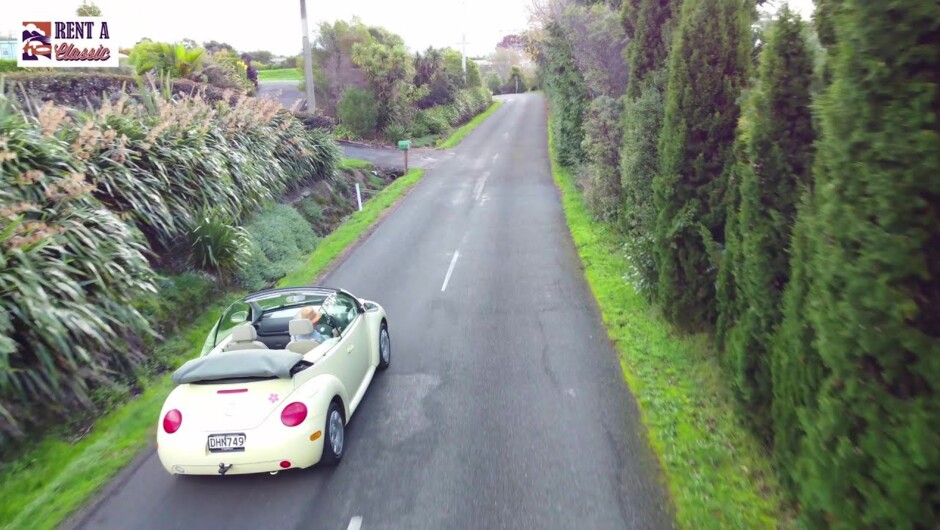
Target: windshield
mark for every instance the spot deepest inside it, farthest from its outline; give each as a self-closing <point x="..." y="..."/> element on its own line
<point x="279" y="305"/>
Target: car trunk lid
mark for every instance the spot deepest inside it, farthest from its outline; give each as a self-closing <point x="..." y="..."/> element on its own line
<point x="233" y="406"/>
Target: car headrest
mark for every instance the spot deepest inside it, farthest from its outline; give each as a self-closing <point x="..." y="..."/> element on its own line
<point x="244" y="333"/>
<point x="300" y="326"/>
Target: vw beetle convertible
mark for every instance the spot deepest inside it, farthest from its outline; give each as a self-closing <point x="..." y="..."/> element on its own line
<point x="279" y="377"/>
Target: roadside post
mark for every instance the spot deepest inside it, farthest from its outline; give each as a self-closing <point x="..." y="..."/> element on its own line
<point x="404" y="145"/>
<point x="358" y="197"/>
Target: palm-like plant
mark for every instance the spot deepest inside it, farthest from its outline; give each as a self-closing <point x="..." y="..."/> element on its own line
<point x="175" y="59"/>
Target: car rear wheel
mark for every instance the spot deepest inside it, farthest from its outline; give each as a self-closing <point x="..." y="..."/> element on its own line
<point x="334" y="442"/>
<point x="385" y="347"/>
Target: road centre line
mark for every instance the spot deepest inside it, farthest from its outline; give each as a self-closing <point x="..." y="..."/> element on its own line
<point x="355" y="523"/>
<point x="450" y="270"/>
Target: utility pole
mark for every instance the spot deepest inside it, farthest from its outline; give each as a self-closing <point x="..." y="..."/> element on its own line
<point x="308" y="60"/>
<point x="463" y="54"/>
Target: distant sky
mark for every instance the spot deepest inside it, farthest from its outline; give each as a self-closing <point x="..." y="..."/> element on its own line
<point x="274" y="25"/>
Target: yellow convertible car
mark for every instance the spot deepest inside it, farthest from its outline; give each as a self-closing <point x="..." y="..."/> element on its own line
<point x="279" y="377"/>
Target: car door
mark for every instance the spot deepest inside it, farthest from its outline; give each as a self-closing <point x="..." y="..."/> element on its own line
<point x="354" y="343"/>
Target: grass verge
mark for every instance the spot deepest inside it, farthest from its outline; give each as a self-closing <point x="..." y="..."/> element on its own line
<point x="281" y="74"/>
<point x="48" y="483"/>
<point x="353" y="163"/>
<point x="465" y="129"/>
<point x="347" y="233"/>
<point x="717" y="474"/>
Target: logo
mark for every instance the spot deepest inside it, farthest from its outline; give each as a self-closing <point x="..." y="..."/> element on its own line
<point x="73" y="43"/>
<point x="37" y="41"/>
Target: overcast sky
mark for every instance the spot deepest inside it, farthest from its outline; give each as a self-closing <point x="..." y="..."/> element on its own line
<point x="274" y="25"/>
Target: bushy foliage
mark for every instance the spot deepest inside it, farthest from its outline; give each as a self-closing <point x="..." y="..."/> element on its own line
<point x="602" y="138"/>
<point x="639" y="164"/>
<point x="708" y="65"/>
<point x="217" y="245"/>
<point x="358" y="111"/>
<point x="651" y="23"/>
<point x="8" y="65"/>
<point x="69" y="269"/>
<point x="435" y="120"/>
<point x="872" y="446"/>
<point x="279" y="238"/>
<point x="389" y="70"/>
<point x="597" y="43"/>
<point x="75" y="187"/>
<point x="565" y="86"/>
<point x="773" y="170"/>
<point x="165" y="58"/>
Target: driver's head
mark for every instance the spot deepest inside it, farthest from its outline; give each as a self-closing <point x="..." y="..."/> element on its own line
<point x="310" y="313"/>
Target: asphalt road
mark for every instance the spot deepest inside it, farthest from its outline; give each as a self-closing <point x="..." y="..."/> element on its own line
<point x="285" y="92"/>
<point x="504" y="406"/>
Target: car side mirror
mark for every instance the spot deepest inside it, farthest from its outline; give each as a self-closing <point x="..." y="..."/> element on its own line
<point x="240" y="316"/>
<point x="369" y="307"/>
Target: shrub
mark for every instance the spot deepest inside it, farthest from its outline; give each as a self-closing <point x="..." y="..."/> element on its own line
<point x="217" y="246"/>
<point x="707" y="68"/>
<point x="639" y="164"/>
<point x="602" y="139"/>
<point x="69" y="270"/>
<point x="775" y="150"/>
<point x="435" y="119"/>
<point x="279" y="238"/>
<point x="357" y="110"/>
<point x="8" y="65"/>
<point x="872" y="445"/>
<point x="395" y="132"/>
<point x="566" y="88"/>
<point x="311" y="210"/>
<point x="179" y="298"/>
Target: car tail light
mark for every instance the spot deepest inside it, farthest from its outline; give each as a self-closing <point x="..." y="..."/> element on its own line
<point x="294" y="414"/>
<point x="172" y="421"/>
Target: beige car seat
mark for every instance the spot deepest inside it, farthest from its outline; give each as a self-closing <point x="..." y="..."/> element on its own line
<point x="245" y="337"/>
<point x="300" y="327"/>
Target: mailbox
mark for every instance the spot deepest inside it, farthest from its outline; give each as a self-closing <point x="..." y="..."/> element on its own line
<point x="404" y="145"/>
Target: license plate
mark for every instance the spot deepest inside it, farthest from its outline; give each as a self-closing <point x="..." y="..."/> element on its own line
<point x="224" y="443"/>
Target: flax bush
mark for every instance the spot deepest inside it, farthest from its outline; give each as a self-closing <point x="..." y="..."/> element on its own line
<point x="86" y="197"/>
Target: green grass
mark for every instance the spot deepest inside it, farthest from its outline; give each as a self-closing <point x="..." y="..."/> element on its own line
<point x="281" y="74"/>
<point x="352" y="229"/>
<point x="40" y="489"/>
<point x="354" y="163"/>
<point x="458" y="135"/>
<point x="717" y="474"/>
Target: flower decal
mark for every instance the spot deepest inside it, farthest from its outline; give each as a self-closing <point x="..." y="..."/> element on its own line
<point x="273" y="398"/>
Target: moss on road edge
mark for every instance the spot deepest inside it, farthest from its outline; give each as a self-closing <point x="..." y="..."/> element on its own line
<point x="717" y="474"/>
<point x="41" y="489"/>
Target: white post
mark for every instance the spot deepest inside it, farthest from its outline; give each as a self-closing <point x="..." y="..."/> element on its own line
<point x="308" y="60"/>
<point x="358" y="197"/>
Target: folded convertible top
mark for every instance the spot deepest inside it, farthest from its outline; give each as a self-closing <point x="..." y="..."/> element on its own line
<point x="238" y="364"/>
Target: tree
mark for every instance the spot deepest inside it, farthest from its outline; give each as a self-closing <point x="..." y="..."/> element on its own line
<point x="871" y="457"/>
<point x="390" y="71"/>
<point x="512" y="42"/>
<point x="333" y="49"/>
<point x="215" y="46"/>
<point x="650" y="25"/>
<point x="259" y="56"/>
<point x="88" y="9"/>
<point x="775" y="149"/>
<point x="602" y="137"/>
<point x="190" y="44"/>
<point x="708" y="65"/>
<point x="566" y="88"/>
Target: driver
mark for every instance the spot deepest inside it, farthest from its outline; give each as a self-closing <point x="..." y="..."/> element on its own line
<point x="312" y="314"/>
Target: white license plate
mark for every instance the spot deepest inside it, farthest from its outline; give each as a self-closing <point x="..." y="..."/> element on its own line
<point x="221" y="443"/>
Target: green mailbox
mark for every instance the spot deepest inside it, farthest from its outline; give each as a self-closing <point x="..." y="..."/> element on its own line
<point x="404" y="145"/>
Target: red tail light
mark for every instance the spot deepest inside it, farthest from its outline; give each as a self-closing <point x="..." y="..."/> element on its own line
<point x="172" y="421"/>
<point x="294" y="414"/>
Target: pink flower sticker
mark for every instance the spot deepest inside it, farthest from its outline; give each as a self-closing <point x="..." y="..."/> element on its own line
<point x="273" y="398"/>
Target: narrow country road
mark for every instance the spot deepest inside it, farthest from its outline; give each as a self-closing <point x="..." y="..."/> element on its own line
<point x="504" y="406"/>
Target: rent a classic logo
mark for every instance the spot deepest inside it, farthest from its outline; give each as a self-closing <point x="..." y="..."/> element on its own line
<point x="77" y="43"/>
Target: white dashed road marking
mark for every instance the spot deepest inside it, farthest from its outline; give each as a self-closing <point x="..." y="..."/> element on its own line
<point x="450" y="270"/>
<point x="355" y="523"/>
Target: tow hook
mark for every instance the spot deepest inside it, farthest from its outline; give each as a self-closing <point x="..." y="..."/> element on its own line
<point x="224" y="468"/>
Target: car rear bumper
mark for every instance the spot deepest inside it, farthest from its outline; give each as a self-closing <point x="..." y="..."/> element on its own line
<point x="188" y="453"/>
